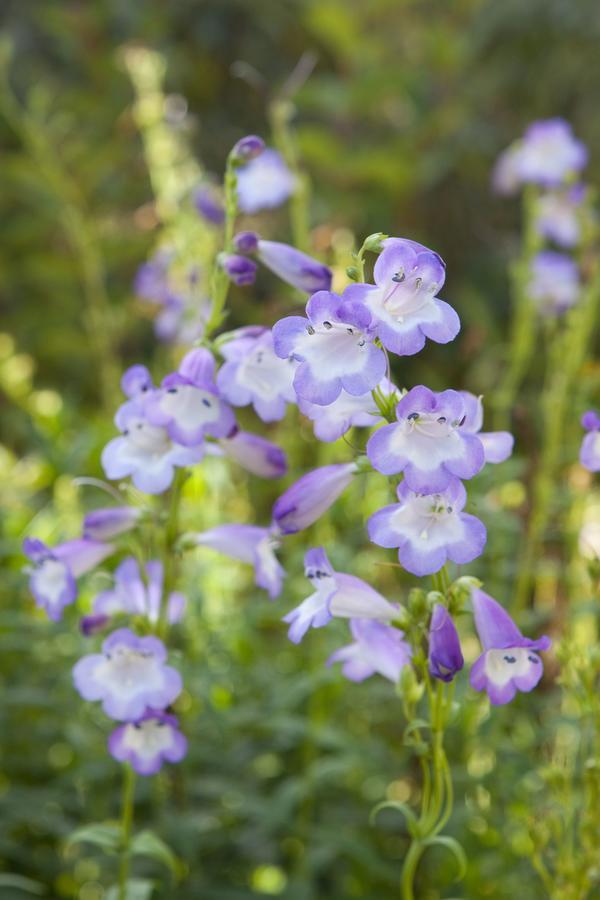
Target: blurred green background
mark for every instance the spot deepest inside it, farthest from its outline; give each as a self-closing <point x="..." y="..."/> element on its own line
<point x="398" y="126"/>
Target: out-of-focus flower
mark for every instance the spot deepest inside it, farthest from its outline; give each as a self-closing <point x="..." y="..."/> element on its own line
<point x="403" y="303"/>
<point x="294" y="267"/>
<point x="264" y="183"/>
<point x="497" y="445"/>
<point x="377" y="649"/>
<point x="148" y="742"/>
<point x="429" y="444"/>
<point x="445" y="656"/>
<point x="255" y="454"/>
<point x="151" y="281"/>
<point x="548" y="154"/>
<point x="429" y="530"/>
<point x="110" y="521"/>
<point x="312" y="495"/>
<point x="332" y="421"/>
<point x="129" y="676"/>
<point x="508" y="663"/>
<point x="250" y="544"/>
<point x="245" y="242"/>
<point x="247" y="149"/>
<point x="554" y="285"/>
<point x="136" y="380"/>
<point x="209" y="204"/>
<point x="334" y="346"/>
<point x="558" y="215"/>
<point x="239" y="269"/>
<point x="589" y="455"/>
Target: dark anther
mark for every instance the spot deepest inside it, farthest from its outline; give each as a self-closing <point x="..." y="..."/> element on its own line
<point x="172" y="391"/>
<point x="362" y="342"/>
<point x="418" y="283"/>
<point x="205" y="401"/>
<point x="327" y="325"/>
<point x="533" y="659"/>
<point x="399" y="277"/>
<point x="144" y="388"/>
<point x="350" y="330"/>
<point x="448" y="509"/>
<point x="139" y="425"/>
<point x="510" y="659"/>
<point x="462" y="421"/>
<point x="310" y="329"/>
<point x="137" y="725"/>
<point x="126" y="432"/>
<point x="442" y="420"/>
<point x="413" y="417"/>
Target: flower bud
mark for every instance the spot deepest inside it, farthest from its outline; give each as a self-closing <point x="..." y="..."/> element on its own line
<point x="239" y="269"/>
<point x="247" y="148"/>
<point x="374" y="243"/>
<point x="245" y="242"/>
<point x="411" y="689"/>
<point x="295" y="268"/>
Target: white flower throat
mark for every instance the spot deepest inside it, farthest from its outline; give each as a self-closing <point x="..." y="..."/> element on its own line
<point x="407" y="294"/>
<point x="431" y="425"/>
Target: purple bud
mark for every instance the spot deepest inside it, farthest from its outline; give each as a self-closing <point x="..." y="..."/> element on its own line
<point x="110" y="521"/>
<point x="312" y="495"/>
<point x="239" y="269"/>
<point x="94" y="624"/>
<point x="245" y="242"/>
<point x="255" y="454"/>
<point x="445" y="656"/>
<point x="295" y="268"/>
<point x="208" y="204"/>
<point x="247" y="148"/>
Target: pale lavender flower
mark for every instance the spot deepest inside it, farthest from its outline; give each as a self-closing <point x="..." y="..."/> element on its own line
<point x="445" y="656"/>
<point x="294" y="267"/>
<point x="148" y="742"/>
<point x="332" y="421"/>
<point x="377" y="649"/>
<point x="209" y="204"/>
<point x="255" y="454"/>
<point x="497" y="445"/>
<point x="110" y="521"/>
<point x="548" y="155"/>
<point x="589" y="455"/>
<point x="152" y="278"/>
<point x="264" y="183"/>
<point x="252" y="545"/>
<point x="136" y="380"/>
<point x="554" y="284"/>
<point x="312" y="495"/>
<point x="558" y="216"/>
<point x="508" y="663"/>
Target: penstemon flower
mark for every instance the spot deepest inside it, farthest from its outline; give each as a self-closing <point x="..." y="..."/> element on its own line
<point x="558" y="215"/>
<point x="497" y="445"/>
<point x="445" y="657"/>
<point x="376" y="649"/>
<point x="148" y="742"/>
<point x="250" y="544"/>
<point x="110" y="521"/>
<point x="253" y="453"/>
<point x="312" y="495"/>
<point x="264" y="183"/>
<point x="547" y="155"/>
<point x="294" y="267"/>
<point x="332" y="421"/>
<point x="589" y="455"/>
<point x="554" y="285"/>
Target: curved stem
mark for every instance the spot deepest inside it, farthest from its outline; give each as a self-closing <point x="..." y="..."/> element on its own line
<point x="409" y="869"/>
<point x="126" y="827"/>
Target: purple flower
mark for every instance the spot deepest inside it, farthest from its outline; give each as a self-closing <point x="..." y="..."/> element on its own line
<point x="264" y="183"/>
<point x="429" y="444"/>
<point x="294" y="267"/>
<point x="188" y="405"/>
<point x="403" y="303"/>
<point x="377" y="649"/>
<point x="429" y="530"/>
<point x="497" y="445"/>
<point x="245" y="242"/>
<point x="589" y="455"/>
<point x="52" y="579"/>
<point x="208" y="203"/>
<point x="136" y="596"/>
<point x="445" y="656"/>
<point x="110" y="521"/>
<point x="250" y="544"/>
<point x="128" y="676"/>
<point x="334" y="347"/>
<point x="151" y="279"/>
<point x="247" y="148"/>
<point x="312" y="495"/>
<point x="239" y="269"/>
<point x="335" y="594"/>
<point x="558" y="216"/>
<point x="508" y="663"/>
<point x="548" y="154"/>
<point x="255" y="454"/>
<point x="554" y="284"/>
<point x="136" y="380"/>
<point x="332" y="421"/>
<point x="253" y="373"/>
<point x="145" y="451"/>
<point x="148" y="742"/>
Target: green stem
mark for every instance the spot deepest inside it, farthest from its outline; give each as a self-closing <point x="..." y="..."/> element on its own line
<point x="170" y="557"/>
<point x="127" y="809"/>
<point x="409" y="870"/>
<point x="219" y="279"/>
<point x="281" y="114"/>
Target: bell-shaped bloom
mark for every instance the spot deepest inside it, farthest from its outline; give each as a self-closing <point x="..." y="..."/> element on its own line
<point x="145" y="451"/>
<point x="136" y="380"/>
<point x="335" y="594"/>
<point x="148" y="742"/>
<point x="558" y="216"/>
<point x="253" y="373"/>
<point x="497" y="445"/>
<point x="188" y="404"/>
<point x="445" y="656"/>
<point x="508" y="663"/>
<point x="294" y="267"/>
<point x="334" y="346"/>
<point x="52" y="577"/>
<point x="589" y="455"/>
<point x="377" y="649"/>
<point x="239" y="269"/>
<point x="403" y="301"/>
<point x="312" y="495"/>
<point x="255" y="454"/>
<point x="247" y="148"/>
<point x="252" y="545"/>
<point x="129" y="676"/>
<point x="428" y="444"/>
<point x="332" y="421"/>
<point x="554" y="284"/>
<point x="548" y="154"/>
<point x="208" y="203"/>
<point x="110" y="521"/>
<point x="264" y="183"/>
<point x="137" y="596"/>
<point x="429" y="530"/>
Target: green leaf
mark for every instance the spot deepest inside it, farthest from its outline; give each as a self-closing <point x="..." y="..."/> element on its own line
<point x="442" y="840"/>
<point x="103" y="834"/>
<point x="20" y="883"/>
<point x="137" y="889"/>
<point x="147" y="843"/>
<point x="403" y="808"/>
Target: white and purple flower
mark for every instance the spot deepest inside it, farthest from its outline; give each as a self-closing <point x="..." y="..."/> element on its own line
<point x="294" y="267"/>
<point x="110" y="521"/>
<point x="254" y="453"/>
<point x="589" y="455"/>
<point x="334" y="346"/>
<point x="509" y="662"/>
<point x="252" y="545"/>
<point x="148" y="742"/>
<point x="429" y="443"/>
<point x="403" y="301"/>
<point x="377" y="649"/>
<point x="332" y="421"/>
<point x="558" y="215"/>
<point x="129" y="676"/>
<point x="307" y="499"/>
<point x="264" y="183"/>
<point x="335" y="594"/>
<point x="445" y="657"/>
<point x="497" y="445"/>
<point x="429" y="530"/>
<point x="548" y="154"/>
<point x="554" y="284"/>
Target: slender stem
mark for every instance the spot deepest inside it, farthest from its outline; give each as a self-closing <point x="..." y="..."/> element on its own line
<point x="219" y="279"/>
<point x="127" y="810"/>
<point x="409" y="869"/>
<point x="171" y="533"/>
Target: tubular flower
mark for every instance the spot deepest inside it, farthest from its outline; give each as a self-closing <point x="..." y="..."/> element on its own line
<point x="377" y="649"/>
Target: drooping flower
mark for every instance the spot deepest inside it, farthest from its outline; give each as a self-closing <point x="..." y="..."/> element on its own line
<point x="429" y="443"/>
<point x="558" y="215"/>
<point x="52" y="578"/>
<point x="548" y="154"/>
<point x="332" y="421"/>
<point x="254" y="453"/>
<point x="110" y="521"/>
<point x="429" y="530"/>
<point x="589" y="455"/>
<point x="403" y="301"/>
<point x="148" y="742"/>
<point x="188" y="404"/>
<point x="335" y="594"/>
<point x="253" y="373"/>
<point x="129" y="676"/>
<point x="497" y="445"/>
<point x="508" y="663"/>
<point x="294" y="267"/>
<point x="250" y="544"/>
<point x="264" y="183"/>
<point x="145" y="451"/>
<point x="377" y="649"/>
<point x="312" y="495"/>
<point x="445" y="656"/>
<point x="554" y="284"/>
<point x="239" y="269"/>
<point x="334" y="346"/>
